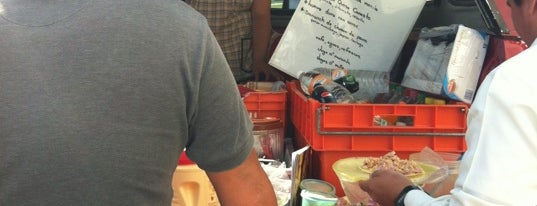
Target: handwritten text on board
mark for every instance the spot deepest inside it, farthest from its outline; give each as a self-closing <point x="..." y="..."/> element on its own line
<point x="356" y="34"/>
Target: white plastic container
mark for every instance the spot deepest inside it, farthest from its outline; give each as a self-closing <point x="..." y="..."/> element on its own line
<point x="192" y="187"/>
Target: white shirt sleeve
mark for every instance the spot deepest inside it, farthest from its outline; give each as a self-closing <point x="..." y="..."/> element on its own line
<point x="500" y="164"/>
<point x="418" y="197"/>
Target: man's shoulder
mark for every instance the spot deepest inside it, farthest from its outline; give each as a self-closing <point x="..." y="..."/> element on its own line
<point x="189" y="12"/>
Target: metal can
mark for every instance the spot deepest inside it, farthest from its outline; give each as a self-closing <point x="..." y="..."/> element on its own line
<point x="315" y="185"/>
<point x="310" y="198"/>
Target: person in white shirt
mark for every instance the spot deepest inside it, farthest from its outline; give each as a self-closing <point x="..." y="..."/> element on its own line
<point x="500" y="164"/>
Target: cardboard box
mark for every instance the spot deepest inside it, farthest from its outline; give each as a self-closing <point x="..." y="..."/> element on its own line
<point x="447" y="61"/>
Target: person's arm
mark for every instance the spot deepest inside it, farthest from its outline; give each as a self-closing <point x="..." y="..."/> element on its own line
<point x="246" y="184"/>
<point x="261" y="34"/>
<point x="385" y="187"/>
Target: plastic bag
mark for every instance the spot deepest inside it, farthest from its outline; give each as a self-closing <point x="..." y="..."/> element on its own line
<point x="428" y="156"/>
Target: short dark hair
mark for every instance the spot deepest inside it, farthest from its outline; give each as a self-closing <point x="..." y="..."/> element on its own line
<point x="518" y="2"/>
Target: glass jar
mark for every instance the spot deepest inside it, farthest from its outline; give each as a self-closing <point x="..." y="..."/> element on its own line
<point x="268" y="136"/>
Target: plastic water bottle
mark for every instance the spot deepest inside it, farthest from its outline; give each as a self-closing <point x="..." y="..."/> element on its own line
<point x="397" y="96"/>
<point x="340" y="93"/>
<point x="341" y="76"/>
<point x="332" y="73"/>
<point x="349" y="82"/>
<point x="309" y="79"/>
<point x="372" y="83"/>
<point x="322" y="95"/>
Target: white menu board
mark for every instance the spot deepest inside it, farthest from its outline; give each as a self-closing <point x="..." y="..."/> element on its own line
<point x="355" y="34"/>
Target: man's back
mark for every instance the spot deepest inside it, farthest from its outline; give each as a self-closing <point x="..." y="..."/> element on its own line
<point x="98" y="99"/>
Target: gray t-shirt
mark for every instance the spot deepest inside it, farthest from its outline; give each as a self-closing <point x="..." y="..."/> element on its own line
<point x="99" y="97"/>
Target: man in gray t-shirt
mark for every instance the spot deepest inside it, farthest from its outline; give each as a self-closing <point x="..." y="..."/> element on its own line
<point x="98" y="98"/>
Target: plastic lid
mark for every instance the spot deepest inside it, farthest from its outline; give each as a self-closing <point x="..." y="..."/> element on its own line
<point x="184" y="160"/>
<point x="315" y="185"/>
<point x="267" y="123"/>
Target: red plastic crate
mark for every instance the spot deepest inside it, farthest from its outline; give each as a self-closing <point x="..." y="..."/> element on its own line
<point x="336" y="131"/>
<point x="263" y="104"/>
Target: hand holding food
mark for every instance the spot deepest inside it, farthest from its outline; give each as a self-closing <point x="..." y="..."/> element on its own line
<point x="384" y="186"/>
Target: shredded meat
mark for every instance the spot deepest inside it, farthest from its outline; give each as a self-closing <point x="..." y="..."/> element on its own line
<point x="391" y="161"/>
